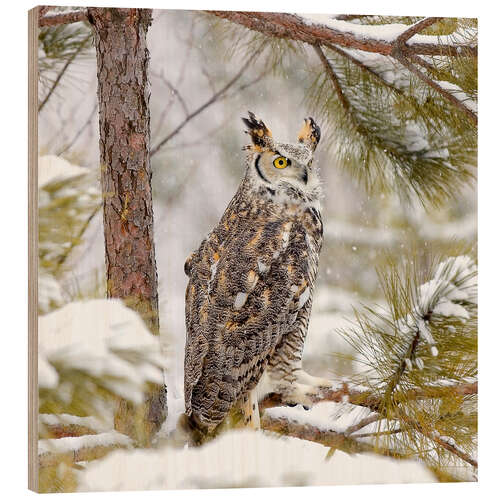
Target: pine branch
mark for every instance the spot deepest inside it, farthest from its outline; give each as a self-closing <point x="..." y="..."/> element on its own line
<point x="336" y="440"/>
<point x="436" y="438"/>
<point x="415" y="28"/>
<point x="334" y="78"/>
<point x="73" y="16"/>
<point x="293" y="27"/>
<point x="400" y="56"/>
<point x="358" y="63"/>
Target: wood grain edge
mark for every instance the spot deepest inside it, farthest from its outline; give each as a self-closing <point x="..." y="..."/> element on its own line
<point x="33" y="249"/>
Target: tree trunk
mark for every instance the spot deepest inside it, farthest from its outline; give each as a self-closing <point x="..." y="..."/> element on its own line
<point x="123" y="94"/>
<point x="123" y="97"/>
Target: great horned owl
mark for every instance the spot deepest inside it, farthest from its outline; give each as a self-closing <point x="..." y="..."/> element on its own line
<point x="251" y="281"/>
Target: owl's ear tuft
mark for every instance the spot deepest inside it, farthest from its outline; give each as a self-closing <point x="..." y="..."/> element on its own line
<point x="310" y="133"/>
<point x="261" y="136"/>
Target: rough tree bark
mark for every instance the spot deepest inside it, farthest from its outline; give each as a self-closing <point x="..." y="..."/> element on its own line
<point x="123" y="97"/>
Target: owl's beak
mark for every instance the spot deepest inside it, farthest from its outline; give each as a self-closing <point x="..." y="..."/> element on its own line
<point x="305" y="175"/>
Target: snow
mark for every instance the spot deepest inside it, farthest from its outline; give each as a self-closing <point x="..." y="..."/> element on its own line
<point x="465" y="99"/>
<point x="72" y="444"/>
<point x="382" y="32"/>
<point x="105" y="339"/>
<point x="47" y="375"/>
<point x="326" y="416"/>
<point x="49" y="292"/>
<point x="415" y="137"/>
<point x="331" y="298"/>
<point x="244" y="458"/>
<point x="386" y="67"/>
<point x="450" y="309"/>
<point x="455" y="280"/>
<point x="53" y="168"/>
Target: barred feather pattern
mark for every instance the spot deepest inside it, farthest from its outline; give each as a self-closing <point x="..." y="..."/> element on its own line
<point x="249" y="297"/>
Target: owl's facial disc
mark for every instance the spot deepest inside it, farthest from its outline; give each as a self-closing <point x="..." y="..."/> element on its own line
<point x="276" y="167"/>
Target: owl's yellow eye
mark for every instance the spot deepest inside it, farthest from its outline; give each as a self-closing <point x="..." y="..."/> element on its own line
<point x="281" y="162"/>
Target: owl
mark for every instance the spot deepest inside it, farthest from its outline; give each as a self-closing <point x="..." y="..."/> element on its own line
<point x="251" y="282"/>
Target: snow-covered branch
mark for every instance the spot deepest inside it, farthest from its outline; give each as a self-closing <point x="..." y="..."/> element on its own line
<point x="321" y="29"/>
<point x="362" y="397"/>
<point x="442" y="88"/>
<point x="78" y="449"/>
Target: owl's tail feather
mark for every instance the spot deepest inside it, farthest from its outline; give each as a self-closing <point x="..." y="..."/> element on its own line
<point x="192" y="432"/>
<point x="244" y="414"/>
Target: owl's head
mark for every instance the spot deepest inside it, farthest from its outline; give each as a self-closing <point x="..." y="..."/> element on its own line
<point x="276" y="164"/>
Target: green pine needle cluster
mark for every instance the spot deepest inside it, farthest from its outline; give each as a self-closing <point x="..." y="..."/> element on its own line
<point x="418" y="352"/>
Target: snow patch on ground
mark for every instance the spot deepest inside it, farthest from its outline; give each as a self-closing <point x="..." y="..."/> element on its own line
<point x="244" y="459"/>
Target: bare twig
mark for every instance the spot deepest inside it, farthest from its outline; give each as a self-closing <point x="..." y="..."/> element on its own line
<point x="378" y="433"/>
<point x="73" y="16"/>
<point x="173" y="89"/>
<point x="80" y="131"/>
<point x="293" y="27"/>
<point x="362" y="423"/>
<point x="79" y="48"/>
<point x="206" y="104"/>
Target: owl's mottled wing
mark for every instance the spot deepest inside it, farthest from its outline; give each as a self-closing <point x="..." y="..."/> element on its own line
<point x="243" y="293"/>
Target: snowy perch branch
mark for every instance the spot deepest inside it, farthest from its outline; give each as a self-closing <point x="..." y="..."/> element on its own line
<point x="369" y="400"/>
